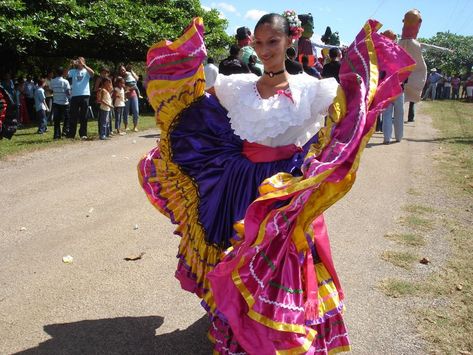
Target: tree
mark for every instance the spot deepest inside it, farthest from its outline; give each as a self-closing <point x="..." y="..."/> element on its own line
<point x="117" y="31"/>
<point x="460" y="61"/>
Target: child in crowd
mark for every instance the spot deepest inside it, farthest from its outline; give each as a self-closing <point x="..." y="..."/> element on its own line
<point x="119" y="104"/>
<point x="105" y="101"/>
<point x="41" y="107"/>
<point x="131" y="80"/>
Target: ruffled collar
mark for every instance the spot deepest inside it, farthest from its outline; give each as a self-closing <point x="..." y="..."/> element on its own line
<point x="256" y="119"/>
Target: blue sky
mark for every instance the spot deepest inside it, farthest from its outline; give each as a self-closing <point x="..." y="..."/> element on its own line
<point x="347" y="17"/>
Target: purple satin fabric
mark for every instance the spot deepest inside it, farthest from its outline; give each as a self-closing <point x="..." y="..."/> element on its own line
<point x="206" y="149"/>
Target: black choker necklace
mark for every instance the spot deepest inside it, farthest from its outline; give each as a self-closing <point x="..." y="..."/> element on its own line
<point x="272" y="74"/>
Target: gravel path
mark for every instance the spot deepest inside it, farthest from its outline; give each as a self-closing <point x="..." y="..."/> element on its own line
<point x="84" y="200"/>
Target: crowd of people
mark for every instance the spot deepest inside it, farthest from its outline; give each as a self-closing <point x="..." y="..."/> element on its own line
<point x="70" y="97"/>
<point x="243" y="60"/>
<point x="441" y="86"/>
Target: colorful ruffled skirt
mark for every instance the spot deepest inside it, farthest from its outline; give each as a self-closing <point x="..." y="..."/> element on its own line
<point x="254" y="245"/>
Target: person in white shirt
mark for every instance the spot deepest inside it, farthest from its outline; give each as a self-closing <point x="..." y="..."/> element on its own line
<point x="41" y="107"/>
<point x="119" y="104"/>
<point x="61" y="95"/>
<point x="211" y="72"/>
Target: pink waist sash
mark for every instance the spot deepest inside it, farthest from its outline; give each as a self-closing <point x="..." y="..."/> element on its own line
<point x="259" y="153"/>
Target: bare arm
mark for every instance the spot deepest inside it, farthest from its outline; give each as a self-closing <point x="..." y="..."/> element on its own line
<point x="89" y="70"/>
<point x="431" y="46"/>
<point x="211" y="91"/>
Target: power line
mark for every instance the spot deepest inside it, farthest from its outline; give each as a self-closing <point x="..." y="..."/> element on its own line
<point x="380" y="3"/>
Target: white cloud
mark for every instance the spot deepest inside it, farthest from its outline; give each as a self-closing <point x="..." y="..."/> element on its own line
<point x="226" y="7"/>
<point x="255" y="14"/>
<point x="221" y="15"/>
<point x="205" y="8"/>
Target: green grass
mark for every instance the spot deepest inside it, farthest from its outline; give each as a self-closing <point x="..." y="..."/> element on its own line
<point x="454" y="120"/>
<point x="416" y="222"/>
<point x="26" y="139"/>
<point x="413" y="240"/>
<point x="400" y="258"/>
<point x="419" y="209"/>
<point x="448" y="325"/>
<point x="395" y="288"/>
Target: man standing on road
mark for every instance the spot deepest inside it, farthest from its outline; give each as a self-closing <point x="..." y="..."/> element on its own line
<point x="433" y="79"/>
<point x="61" y="92"/>
<point x="80" y="75"/>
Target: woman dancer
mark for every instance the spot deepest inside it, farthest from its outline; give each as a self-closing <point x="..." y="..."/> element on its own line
<point x="276" y="289"/>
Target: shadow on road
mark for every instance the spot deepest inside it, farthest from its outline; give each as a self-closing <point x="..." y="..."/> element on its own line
<point x="154" y="135"/>
<point x="126" y="335"/>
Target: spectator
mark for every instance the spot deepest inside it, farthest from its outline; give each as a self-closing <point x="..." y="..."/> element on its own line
<point x="292" y="66"/>
<point x="439" y="89"/>
<point x="29" y="89"/>
<point x="447" y="87"/>
<point x="131" y="80"/>
<point x="41" y="107"/>
<point x="80" y="75"/>
<point x="61" y="93"/>
<point x="332" y="68"/>
<point x="119" y="104"/>
<point x="463" y="86"/>
<point x="433" y="80"/>
<point x="49" y="94"/>
<point x="252" y="65"/>
<point x="232" y="64"/>
<point x="308" y="69"/>
<point x="105" y="101"/>
<point x="131" y="104"/>
<point x="104" y="73"/>
<point x="211" y="72"/>
<point x="456" y="87"/>
<point x="23" y="117"/>
<point x="244" y="40"/>
<point x="469" y="88"/>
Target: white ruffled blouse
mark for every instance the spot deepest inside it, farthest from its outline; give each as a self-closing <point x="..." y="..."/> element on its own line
<point x="290" y="117"/>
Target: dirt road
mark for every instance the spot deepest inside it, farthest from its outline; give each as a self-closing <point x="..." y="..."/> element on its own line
<point x="84" y="200"/>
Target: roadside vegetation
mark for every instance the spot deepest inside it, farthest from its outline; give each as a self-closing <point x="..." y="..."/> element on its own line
<point x="26" y="139"/>
<point x="441" y="289"/>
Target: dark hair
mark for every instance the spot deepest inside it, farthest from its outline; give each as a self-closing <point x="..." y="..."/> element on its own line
<point x="252" y="59"/>
<point x="234" y="50"/>
<point x="104" y="69"/>
<point x="275" y="20"/>
<point x="119" y="80"/>
<point x="41" y="82"/>
<point x="105" y="81"/>
<point x="333" y="52"/>
<point x="242" y="33"/>
<point x="59" y="71"/>
<point x="210" y="60"/>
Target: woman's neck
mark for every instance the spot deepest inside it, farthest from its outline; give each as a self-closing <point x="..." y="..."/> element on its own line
<point x="269" y="86"/>
<point x="274" y="80"/>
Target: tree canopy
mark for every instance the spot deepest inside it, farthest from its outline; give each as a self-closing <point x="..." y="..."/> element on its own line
<point x="460" y="61"/>
<point x="112" y="30"/>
